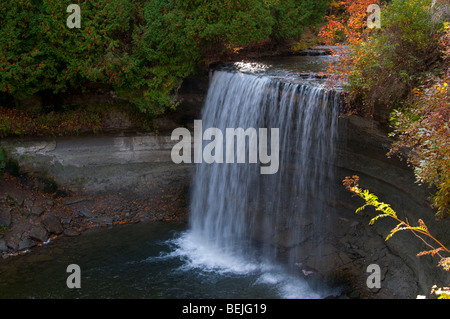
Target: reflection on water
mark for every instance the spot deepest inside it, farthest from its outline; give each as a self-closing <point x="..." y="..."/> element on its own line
<point x="291" y="68"/>
<point x="298" y="64"/>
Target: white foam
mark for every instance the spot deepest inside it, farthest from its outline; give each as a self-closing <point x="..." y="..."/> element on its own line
<point x="199" y="254"/>
<point x="205" y="257"/>
<point x="287" y="286"/>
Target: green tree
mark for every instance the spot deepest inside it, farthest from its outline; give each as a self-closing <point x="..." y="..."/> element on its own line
<point x="142" y="49"/>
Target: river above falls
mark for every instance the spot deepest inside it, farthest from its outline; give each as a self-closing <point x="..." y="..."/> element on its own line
<point x="293" y="69"/>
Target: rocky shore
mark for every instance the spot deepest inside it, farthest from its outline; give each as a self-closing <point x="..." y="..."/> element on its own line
<point x="30" y="217"/>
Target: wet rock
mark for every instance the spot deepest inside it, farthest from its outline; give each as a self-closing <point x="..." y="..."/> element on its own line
<point x="84" y="213"/>
<point x="71" y="232"/>
<point x="37" y="210"/>
<point x="25" y="243"/>
<point x="66" y="221"/>
<point x="345" y="258"/>
<point x="13" y="245"/>
<point x="5" y="217"/>
<point x="3" y="247"/>
<point x="52" y="224"/>
<point x="39" y="233"/>
<point x="74" y="200"/>
<point x="28" y="204"/>
<point x="17" y="196"/>
<point x="324" y="264"/>
<point x="383" y="273"/>
<point x="102" y="220"/>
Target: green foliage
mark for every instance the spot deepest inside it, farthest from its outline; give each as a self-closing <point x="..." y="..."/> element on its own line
<point x="395" y="59"/>
<point x="292" y="15"/>
<point x="423" y="128"/>
<point x="142" y="49"/>
<point x="232" y="22"/>
<point x="38" y="51"/>
<point x="386" y="211"/>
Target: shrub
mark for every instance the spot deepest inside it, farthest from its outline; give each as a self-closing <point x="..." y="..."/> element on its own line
<point x="423" y="128"/>
<point x="382" y="66"/>
<point x="393" y="61"/>
<point x="402" y="69"/>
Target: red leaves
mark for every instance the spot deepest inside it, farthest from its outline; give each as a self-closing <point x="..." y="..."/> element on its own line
<point x="352" y="24"/>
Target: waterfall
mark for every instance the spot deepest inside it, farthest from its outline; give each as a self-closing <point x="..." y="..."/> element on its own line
<point x="236" y="210"/>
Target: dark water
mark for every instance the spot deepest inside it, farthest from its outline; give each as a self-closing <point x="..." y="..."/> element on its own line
<point x="152" y="260"/>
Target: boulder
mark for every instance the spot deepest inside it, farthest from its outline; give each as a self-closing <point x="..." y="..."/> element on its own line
<point x="17" y="196"/>
<point x="84" y="213"/>
<point x="13" y="245"/>
<point x="25" y="243"/>
<point x="39" y="233"/>
<point x="52" y="224"/>
<point x="5" y="217"/>
<point x="3" y="247"/>
<point x="37" y="210"/>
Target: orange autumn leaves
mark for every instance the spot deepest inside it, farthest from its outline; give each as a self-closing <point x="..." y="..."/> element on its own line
<point x="346" y="29"/>
<point x="350" y="26"/>
<point x="400" y="74"/>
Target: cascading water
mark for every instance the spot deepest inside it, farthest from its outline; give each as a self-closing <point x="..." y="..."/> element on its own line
<point x="239" y="214"/>
<point x="248" y="232"/>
